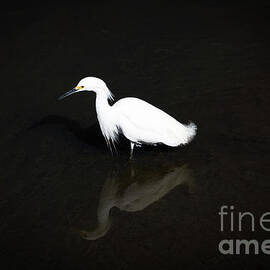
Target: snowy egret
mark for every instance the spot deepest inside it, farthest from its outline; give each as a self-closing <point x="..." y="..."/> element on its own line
<point x="140" y="122"/>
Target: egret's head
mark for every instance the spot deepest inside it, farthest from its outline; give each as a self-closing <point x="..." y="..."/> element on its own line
<point x="90" y="84"/>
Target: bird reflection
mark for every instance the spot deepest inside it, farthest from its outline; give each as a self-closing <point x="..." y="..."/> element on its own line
<point x="136" y="187"/>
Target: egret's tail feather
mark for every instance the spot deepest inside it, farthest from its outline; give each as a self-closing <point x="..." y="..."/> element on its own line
<point x="191" y="130"/>
<point x="180" y="135"/>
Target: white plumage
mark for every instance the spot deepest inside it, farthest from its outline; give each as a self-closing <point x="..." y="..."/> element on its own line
<point x="139" y="121"/>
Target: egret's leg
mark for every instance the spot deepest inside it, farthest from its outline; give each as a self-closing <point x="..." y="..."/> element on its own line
<point x="132" y="144"/>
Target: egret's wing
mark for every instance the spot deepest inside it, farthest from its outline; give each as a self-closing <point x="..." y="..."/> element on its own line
<point x="142" y="121"/>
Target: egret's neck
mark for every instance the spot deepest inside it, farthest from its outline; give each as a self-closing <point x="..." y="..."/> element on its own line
<point x="102" y="104"/>
<point x="106" y="117"/>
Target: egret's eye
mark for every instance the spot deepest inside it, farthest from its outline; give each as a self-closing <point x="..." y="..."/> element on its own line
<point x="79" y="87"/>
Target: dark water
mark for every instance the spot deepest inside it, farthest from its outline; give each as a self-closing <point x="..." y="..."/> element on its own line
<point x="209" y="63"/>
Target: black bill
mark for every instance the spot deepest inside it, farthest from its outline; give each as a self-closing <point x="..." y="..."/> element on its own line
<point x="70" y="92"/>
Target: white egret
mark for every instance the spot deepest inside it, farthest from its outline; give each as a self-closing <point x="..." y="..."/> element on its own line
<point x="139" y="121"/>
